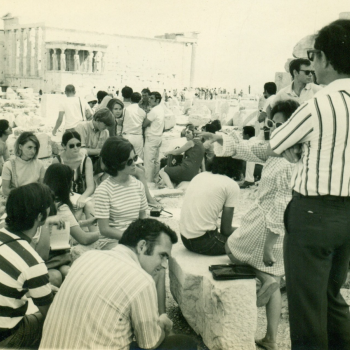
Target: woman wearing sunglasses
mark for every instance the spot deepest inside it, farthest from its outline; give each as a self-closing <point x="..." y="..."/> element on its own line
<point x="121" y="198"/>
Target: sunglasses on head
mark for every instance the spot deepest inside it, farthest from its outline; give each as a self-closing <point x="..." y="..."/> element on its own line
<point x="311" y="54"/>
<point x="270" y="123"/>
<point x="306" y="71"/>
<point x="132" y="160"/>
<point x="77" y="145"/>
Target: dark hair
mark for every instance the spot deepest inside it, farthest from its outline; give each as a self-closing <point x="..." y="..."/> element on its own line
<point x="23" y="139"/>
<point x="70" y="89"/>
<point x="249" y="130"/>
<point x="4" y="125"/>
<point x="59" y="178"/>
<point x="112" y="102"/>
<point x="212" y="126"/>
<point x="148" y="230"/>
<point x="24" y="204"/>
<point x="136" y="97"/>
<point x="146" y="91"/>
<point x="68" y="135"/>
<point x="101" y="95"/>
<point x="127" y="91"/>
<point x="295" y="65"/>
<point x="156" y="95"/>
<point x="286" y="107"/>
<point x="226" y="166"/>
<point x="270" y="88"/>
<point x="114" y="153"/>
<point x="104" y="115"/>
<point x="334" y="41"/>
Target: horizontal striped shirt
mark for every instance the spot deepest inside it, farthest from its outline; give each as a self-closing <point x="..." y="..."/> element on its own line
<point x="321" y="126"/>
<point x="22" y="271"/>
<point x="106" y="300"/>
<point x="121" y="204"/>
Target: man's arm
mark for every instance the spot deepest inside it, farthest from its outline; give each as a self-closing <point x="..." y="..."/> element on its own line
<point x="58" y="123"/>
<point x="226" y="221"/>
<point x="146" y="123"/>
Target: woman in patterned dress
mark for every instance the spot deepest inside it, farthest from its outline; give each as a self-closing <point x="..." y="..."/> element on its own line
<point x="258" y="242"/>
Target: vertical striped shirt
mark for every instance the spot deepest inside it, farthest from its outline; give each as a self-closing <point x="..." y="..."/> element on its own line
<point x="106" y="300"/>
<point x="321" y="125"/>
<point x="22" y="271"/>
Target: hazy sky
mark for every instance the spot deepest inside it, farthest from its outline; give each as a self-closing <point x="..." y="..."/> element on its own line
<point x="241" y="42"/>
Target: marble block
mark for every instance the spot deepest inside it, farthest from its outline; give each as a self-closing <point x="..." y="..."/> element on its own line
<point x="224" y="313"/>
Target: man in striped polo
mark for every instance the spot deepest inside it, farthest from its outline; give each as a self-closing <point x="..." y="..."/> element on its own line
<point x="23" y="273"/>
<point x="317" y="242"/>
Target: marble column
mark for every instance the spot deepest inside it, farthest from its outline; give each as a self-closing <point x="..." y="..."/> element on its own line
<point x="90" y="61"/>
<point x="97" y="62"/>
<point x="103" y="62"/>
<point x="32" y="51"/>
<point x="63" y="59"/>
<point x="7" y="54"/>
<point x="18" y="50"/>
<point x="76" y="61"/>
<point x="54" y="60"/>
<point x="21" y="55"/>
<point x="193" y="64"/>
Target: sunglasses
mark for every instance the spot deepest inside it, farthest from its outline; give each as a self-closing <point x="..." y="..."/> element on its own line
<point x="132" y="160"/>
<point x="311" y="54"/>
<point x="307" y="72"/>
<point x="270" y="123"/>
<point x="77" y="145"/>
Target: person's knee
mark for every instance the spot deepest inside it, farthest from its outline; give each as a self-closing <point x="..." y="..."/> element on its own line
<point x="55" y="277"/>
<point x="64" y="270"/>
<point x="89" y="206"/>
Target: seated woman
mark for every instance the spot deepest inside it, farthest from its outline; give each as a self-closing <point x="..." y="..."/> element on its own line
<point x="121" y="198"/>
<point x="211" y="127"/>
<point x="59" y="178"/>
<point x="208" y="194"/>
<point x="83" y="182"/>
<point x="116" y="107"/>
<point x="25" y="168"/>
<point x="193" y="155"/>
<point x="5" y="131"/>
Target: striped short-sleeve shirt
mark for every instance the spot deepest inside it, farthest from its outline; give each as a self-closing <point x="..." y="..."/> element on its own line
<point x="106" y="300"/>
<point x="321" y="126"/>
<point x="21" y="271"/>
<point x="121" y="204"/>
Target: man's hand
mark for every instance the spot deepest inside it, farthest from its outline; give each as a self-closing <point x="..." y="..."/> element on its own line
<point x="55" y="220"/>
<point x="268" y="257"/>
<point x="54" y="132"/>
<point x="80" y="203"/>
<point x="165" y="323"/>
<point x="211" y="138"/>
<point x="262" y="116"/>
<point x="293" y="154"/>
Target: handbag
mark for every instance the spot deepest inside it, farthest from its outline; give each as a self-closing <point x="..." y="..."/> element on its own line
<point x="58" y="258"/>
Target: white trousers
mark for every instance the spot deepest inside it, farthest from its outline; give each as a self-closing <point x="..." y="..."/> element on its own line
<point x="137" y="142"/>
<point x="249" y="172"/>
<point x="151" y="156"/>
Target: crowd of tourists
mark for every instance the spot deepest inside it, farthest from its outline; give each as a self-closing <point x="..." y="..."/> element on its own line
<point x="96" y="189"/>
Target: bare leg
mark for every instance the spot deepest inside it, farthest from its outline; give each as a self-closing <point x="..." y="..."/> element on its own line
<point x="159" y="279"/>
<point x="55" y="277"/>
<point x="166" y="179"/>
<point x="64" y="270"/>
<point x="140" y="175"/>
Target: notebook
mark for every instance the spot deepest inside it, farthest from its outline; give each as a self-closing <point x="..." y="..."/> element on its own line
<point x="59" y="239"/>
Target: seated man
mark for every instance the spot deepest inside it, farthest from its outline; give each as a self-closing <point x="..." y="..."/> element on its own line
<point x="94" y="133"/>
<point x="23" y="273"/>
<point x="208" y="194"/>
<point x="109" y="297"/>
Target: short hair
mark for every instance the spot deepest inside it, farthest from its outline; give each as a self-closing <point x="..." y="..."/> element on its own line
<point x="70" y="89"/>
<point x="270" y="88"/>
<point x="112" y="102"/>
<point x="146" y="91"/>
<point x="212" y="126"/>
<point x="334" y="41"/>
<point x="104" y="115"/>
<point x="59" y="177"/>
<point x="101" y="95"/>
<point x="127" y="91"/>
<point x="114" y="153"/>
<point x="286" y="107"/>
<point x="23" y="139"/>
<point x="4" y="125"/>
<point x="25" y="203"/>
<point x="249" y="130"/>
<point x="68" y="135"/>
<point x="136" y="97"/>
<point x="148" y="230"/>
<point x="156" y="95"/>
<point x="226" y="166"/>
<point x="295" y="65"/>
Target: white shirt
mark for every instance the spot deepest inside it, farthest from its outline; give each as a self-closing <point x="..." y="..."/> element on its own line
<point x="74" y="112"/>
<point x="156" y="117"/>
<point x="133" y="119"/>
<point x="205" y="198"/>
<point x="269" y="102"/>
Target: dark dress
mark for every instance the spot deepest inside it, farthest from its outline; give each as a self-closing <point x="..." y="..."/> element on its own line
<point x="190" y="165"/>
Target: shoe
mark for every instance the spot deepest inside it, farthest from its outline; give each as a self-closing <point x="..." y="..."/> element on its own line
<point x="266" y="345"/>
<point x="247" y="184"/>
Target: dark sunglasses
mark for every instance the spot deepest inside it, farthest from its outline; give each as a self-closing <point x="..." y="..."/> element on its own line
<point x="72" y="145"/>
<point x="307" y="72"/>
<point x="311" y="54"/>
<point x="132" y="160"/>
<point x="270" y="123"/>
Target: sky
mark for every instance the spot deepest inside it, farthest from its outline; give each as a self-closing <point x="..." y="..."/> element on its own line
<point x="241" y="42"/>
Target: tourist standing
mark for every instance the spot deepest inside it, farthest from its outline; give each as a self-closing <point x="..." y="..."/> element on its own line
<point x="5" y="132"/>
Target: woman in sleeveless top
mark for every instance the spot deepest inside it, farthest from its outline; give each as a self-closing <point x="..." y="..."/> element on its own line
<point x="193" y="155"/>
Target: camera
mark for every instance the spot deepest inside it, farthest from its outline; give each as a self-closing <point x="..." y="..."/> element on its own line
<point x="267" y="133"/>
<point x="155" y="212"/>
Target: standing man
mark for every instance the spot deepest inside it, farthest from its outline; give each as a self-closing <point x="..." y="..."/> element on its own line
<point x="75" y="110"/>
<point x="144" y="103"/>
<point x="248" y="134"/>
<point x="269" y="94"/>
<point x="126" y="93"/>
<point x="154" y="124"/>
<point x="317" y="220"/>
<point x="123" y="304"/>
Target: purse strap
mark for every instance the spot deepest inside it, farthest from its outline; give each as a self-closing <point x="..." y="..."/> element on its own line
<point x="81" y="108"/>
<point x="14" y="172"/>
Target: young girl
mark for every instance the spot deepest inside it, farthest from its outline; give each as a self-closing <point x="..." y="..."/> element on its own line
<point x="116" y="107"/>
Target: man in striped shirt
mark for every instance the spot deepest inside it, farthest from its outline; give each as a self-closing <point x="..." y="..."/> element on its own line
<point x="23" y="273"/>
<point x="317" y="243"/>
<point x="109" y="297"/>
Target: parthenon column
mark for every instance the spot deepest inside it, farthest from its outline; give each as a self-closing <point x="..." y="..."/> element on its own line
<point x="103" y="62"/>
<point x="18" y="50"/>
<point x="63" y="59"/>
<point x="89" y="61"/>
<point x="36" y="62"/>
<point x="76" y="61"/>
<point x="193" y="64"/>
<point x="32" y="52"/>
<point x="54" y="60"/>
<point x="21" y="51"/>
<point x="97" y="62"/>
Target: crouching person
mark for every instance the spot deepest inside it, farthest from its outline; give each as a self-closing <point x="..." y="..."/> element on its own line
<point x="23" y="273"/>
<point x="109" y="296"/>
